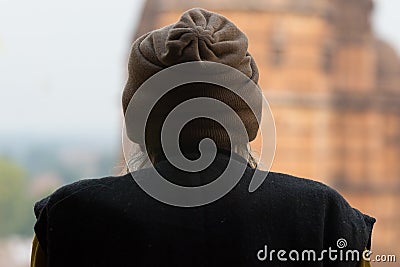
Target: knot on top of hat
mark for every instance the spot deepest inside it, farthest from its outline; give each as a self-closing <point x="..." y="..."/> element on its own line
<point x="203" y="35"/>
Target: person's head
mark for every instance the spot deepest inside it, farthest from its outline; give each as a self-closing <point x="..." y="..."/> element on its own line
<point x="199" y="35"/>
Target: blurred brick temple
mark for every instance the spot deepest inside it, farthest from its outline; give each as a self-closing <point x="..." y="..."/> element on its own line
<point x="334" y="90"/>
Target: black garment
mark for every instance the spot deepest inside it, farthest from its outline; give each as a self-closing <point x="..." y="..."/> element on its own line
<point x="112" y="222"/>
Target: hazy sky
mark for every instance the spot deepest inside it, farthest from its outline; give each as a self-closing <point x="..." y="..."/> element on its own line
<point x="62" y="63"/>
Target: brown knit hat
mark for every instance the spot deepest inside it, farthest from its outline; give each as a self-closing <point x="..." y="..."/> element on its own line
<point x="199" y="35"/>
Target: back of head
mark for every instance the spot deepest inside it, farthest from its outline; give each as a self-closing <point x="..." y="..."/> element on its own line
<point x="198" y="36"/>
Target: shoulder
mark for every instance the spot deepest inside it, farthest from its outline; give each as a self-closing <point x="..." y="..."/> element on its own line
<point x="339" y="218"/>
<point x="86" y="186"/>
<point x="316" y="191"/>
<point x="72" y="200"/>
<point x="296" y="186"/>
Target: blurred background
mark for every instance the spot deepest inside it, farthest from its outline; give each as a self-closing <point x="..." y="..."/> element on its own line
<point x="329" y="68"/>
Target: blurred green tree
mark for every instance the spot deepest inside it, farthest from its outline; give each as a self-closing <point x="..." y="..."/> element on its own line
<point x="16" y="216"/>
